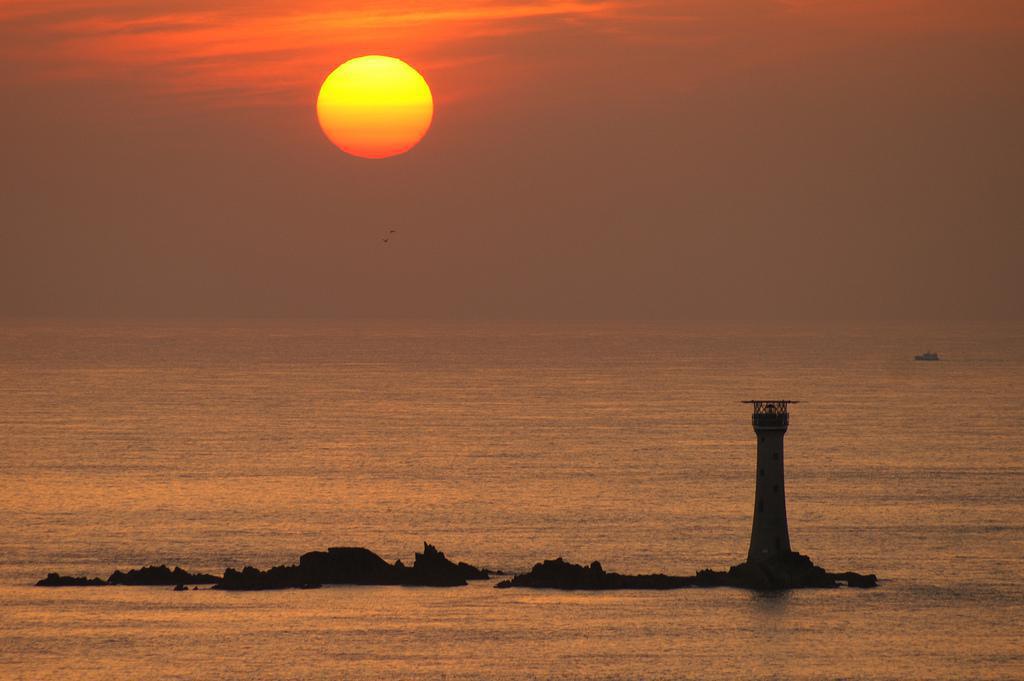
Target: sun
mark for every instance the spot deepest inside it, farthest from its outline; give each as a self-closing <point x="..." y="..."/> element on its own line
<point x="375" y="106"/>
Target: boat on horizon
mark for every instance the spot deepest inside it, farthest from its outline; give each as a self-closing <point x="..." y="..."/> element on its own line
<point x="927" y="357"/>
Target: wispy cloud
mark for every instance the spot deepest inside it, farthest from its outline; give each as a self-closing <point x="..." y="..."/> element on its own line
<point x="263" y="49"/>
<point x="275" y="51"/>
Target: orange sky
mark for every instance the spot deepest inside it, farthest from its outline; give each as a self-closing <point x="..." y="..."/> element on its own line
<point x="275" y="49"/>
<point x="588" y="159"/>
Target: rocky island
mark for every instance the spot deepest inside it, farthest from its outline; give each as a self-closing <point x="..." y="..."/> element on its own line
<point x="338" y="565"/>
<point x="791" y="571"/>
<point x="353" y="565"/>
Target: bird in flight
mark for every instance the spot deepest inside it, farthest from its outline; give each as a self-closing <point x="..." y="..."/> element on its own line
<point x="387" y="235"/>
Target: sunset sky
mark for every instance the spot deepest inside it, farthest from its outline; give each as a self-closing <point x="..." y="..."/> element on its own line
<point x="587" y="160"/>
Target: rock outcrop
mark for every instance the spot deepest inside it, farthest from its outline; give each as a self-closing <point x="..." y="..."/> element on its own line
<point x="159" y="575"/>
<point x="856" y="580"/>
<point x="558" y="574"/>
<point x="792" y="571"/>
<point x="338" y="565"/>
<point x="353" y="565"/>
<point x="432" y="568"/>
<point x="55" y="579"/>
<point x="151" y="575"/>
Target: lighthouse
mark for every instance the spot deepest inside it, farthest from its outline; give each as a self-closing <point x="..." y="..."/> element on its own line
<point x="769" y="537"/>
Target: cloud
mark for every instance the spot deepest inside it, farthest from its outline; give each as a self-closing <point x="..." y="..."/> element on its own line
<point x="276" y="51"/>
<point x="270" y="48"/>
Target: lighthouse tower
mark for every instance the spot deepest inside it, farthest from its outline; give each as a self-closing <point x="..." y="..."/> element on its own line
<point x="769" y="537"/>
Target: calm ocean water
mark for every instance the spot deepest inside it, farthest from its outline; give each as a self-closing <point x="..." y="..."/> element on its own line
<point x="212" y="445"/>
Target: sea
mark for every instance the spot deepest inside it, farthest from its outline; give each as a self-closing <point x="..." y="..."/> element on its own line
<point x="213" y="444"/>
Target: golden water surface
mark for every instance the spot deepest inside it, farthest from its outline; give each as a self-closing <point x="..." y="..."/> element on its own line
<point x="209" y="445"/>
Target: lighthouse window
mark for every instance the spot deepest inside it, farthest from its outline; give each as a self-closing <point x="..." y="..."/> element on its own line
<point x="762" y="438"/>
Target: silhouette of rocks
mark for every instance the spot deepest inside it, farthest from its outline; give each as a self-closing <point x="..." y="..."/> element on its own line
<point x="181" y="587"/>
<point x="251" y="579"/>
<point x="336" y="565"/>
<point x="353" y="565"/>
<point x="161" y="575"/>
<point x="347" y="565"/>
<point x="856" y="580"/>
<point x="558" y="574"/>
<point x="791" y="571"/>
<point x="55" y="579"/>
<point x="432" y="568"/>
